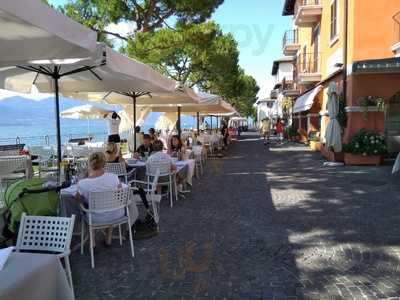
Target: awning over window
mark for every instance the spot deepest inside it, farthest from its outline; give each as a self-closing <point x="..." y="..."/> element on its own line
<point x="306" y="101"/>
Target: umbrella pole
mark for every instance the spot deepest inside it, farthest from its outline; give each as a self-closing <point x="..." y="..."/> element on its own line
<point x="198" y="122"/>
<point x="211" y="121"/>
<point x="134" y="122"/>
<point x="178" y="124"/>
<point x="56" y="77"/>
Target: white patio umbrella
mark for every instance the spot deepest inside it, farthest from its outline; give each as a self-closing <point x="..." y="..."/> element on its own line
<point x="86" y="112"/>
<point x="36" y="39"/>
<point x="333" y="132"/>
<point x="179" y="96"/>
<point x="127" y="122"/>
<point x="167" y="121"/>
<point x="106" y="70"/>
<point x="31" y="30"/>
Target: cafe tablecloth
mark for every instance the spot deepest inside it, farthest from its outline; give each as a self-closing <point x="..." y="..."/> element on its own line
<point x="34" y="277"/>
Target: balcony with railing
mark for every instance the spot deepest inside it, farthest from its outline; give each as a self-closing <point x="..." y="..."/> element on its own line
<point x="290" y="44"/>
<point x="396" y="34"/>
<point x="308" y="12"/>
<point x="289" y="88"/>
<point x="307" y="69"/>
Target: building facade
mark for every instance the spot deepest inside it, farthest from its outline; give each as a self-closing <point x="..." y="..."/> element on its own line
<point x="356" y="45"/>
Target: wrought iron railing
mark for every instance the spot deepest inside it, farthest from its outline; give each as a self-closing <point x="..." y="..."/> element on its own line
<point x="310" y="2"/>
<point x="290" y="37"/>
<point x="308" y="63"/>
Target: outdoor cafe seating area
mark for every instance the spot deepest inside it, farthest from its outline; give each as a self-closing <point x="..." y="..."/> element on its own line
<point x="44" y="231"/>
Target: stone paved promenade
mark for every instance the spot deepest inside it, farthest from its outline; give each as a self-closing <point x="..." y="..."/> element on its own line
<point x="263" y="223"/>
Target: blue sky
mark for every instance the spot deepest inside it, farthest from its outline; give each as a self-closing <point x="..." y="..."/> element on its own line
<point x="258" y="26"/>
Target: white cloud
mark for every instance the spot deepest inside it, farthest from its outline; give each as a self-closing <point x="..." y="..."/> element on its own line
<point x="122" y="28"/>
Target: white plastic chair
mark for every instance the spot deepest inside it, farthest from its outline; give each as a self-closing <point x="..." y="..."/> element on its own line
<point x="198" y="157"/>
<point x="104" y="202"/>
<point x="46" y="159"/>
<point x="150" y="188"/>
<point x="12" y="168"/>
<point x="47" y="234"/>
<point x="118" y="169"/>
<point x="166" y="178"/>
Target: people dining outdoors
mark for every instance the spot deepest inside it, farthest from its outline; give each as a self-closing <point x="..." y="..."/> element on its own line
<point x="153" y="135"/>
<point x="146" y="148"/>
<point x="136" y="134"/>
<point x="99" y="181"/>
<point x="265" y="130"/>
<point x="175" y="146"/>
<point x="113" y="153"/>
<point x="225" y="133"/>
<point x="114" y="120"/>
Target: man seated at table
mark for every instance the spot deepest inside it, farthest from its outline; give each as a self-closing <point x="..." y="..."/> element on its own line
<point x="99" y="181"/>
<point x="152" y="134"/>
<point x="146" y="148"/>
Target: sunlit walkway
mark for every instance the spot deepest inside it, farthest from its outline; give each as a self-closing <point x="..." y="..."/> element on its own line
<point x="262" y="224"/>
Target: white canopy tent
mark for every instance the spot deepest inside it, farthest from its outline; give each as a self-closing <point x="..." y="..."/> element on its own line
<point x="306" y="101"/>
<point x="333" y="132"/>
<point x="167" y="121"/>
<point x="127" y="118"/>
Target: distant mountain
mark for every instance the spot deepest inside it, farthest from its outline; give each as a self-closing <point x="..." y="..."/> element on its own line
<point x="17" y="109"/>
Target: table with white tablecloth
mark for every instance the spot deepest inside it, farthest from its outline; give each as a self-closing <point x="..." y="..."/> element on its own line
<point x="34" y="277"/>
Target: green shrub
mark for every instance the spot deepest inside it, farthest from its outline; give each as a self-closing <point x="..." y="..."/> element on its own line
<point x="367" y="142"/>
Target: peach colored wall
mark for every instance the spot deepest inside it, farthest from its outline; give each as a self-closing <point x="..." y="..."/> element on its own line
<point x="373" y="28"/>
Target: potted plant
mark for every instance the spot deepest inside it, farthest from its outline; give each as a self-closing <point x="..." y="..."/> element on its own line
<point x="315" y="142"/>
<point x="366" y="147"/>
<point x="291" y="133"/>
<point x="371" y="103"/>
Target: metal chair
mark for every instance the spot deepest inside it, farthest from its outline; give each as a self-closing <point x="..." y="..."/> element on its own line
<point x="150" y="188"/>
<point x="104" y="202"/>
<point x="119" y="169"/>
<point x="47" y="234"/>
<point x="166" y="178"/>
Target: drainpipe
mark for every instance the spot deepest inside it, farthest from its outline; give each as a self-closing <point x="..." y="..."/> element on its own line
<point x="345" y="47"/>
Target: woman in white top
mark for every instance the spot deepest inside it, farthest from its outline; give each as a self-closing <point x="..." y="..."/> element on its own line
<point x="114" y="120"/>
<point x="99" y="181"/>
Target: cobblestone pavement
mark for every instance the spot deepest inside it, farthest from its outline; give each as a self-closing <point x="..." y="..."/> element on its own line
<point x="263" y="223"/>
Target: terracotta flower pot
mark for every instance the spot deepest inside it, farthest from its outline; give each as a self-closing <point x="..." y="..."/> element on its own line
<point x="361" y="160"/>
<point x="315" y="146"/>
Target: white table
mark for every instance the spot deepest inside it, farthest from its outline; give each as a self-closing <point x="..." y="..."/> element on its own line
<point x="34" y="277"/>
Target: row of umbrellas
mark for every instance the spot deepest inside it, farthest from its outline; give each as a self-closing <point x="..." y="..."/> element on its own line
<point x="44" y="49"/>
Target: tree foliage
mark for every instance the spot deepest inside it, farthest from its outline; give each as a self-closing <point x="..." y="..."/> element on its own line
<point x="146" y="15"/>
<point x="194" y="51"/>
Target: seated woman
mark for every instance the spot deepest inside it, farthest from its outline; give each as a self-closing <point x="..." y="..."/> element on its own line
<point x="99" y="181"/>
<point x="113" y="154"/>
<point x="175" y="146"/>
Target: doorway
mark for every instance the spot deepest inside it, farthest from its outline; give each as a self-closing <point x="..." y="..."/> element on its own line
<point x="392" y="124"/>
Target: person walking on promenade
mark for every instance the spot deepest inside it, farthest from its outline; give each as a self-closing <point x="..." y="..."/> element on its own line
<point x="265" y="130"/>
<point x="279" y="129"/>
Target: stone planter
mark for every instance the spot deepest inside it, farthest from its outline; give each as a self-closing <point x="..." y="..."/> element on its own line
<point x="315" y="146"/>
<point x="361" y="160"/>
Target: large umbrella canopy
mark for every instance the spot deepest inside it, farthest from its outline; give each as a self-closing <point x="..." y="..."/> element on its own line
<point x="32" y="31"/>
<point x="333" y="132"/>
<point x="126" y="115"/>
<point x="86" y="111"/>
<point x="175" y="97"/>
<point x="209" y="104"/>
<point x="167" y="121"/>
<point x="107" y="70"/>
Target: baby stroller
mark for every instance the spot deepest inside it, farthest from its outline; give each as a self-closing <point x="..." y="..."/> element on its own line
<point x="30" y="196"/>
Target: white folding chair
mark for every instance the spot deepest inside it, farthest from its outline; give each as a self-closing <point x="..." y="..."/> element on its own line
<point x="119" y="169"/>
<point x="47" y="234"/>
<point x="166" y="178"/>
<point x="150" y="188"/>
<point x="105" y="202"/>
